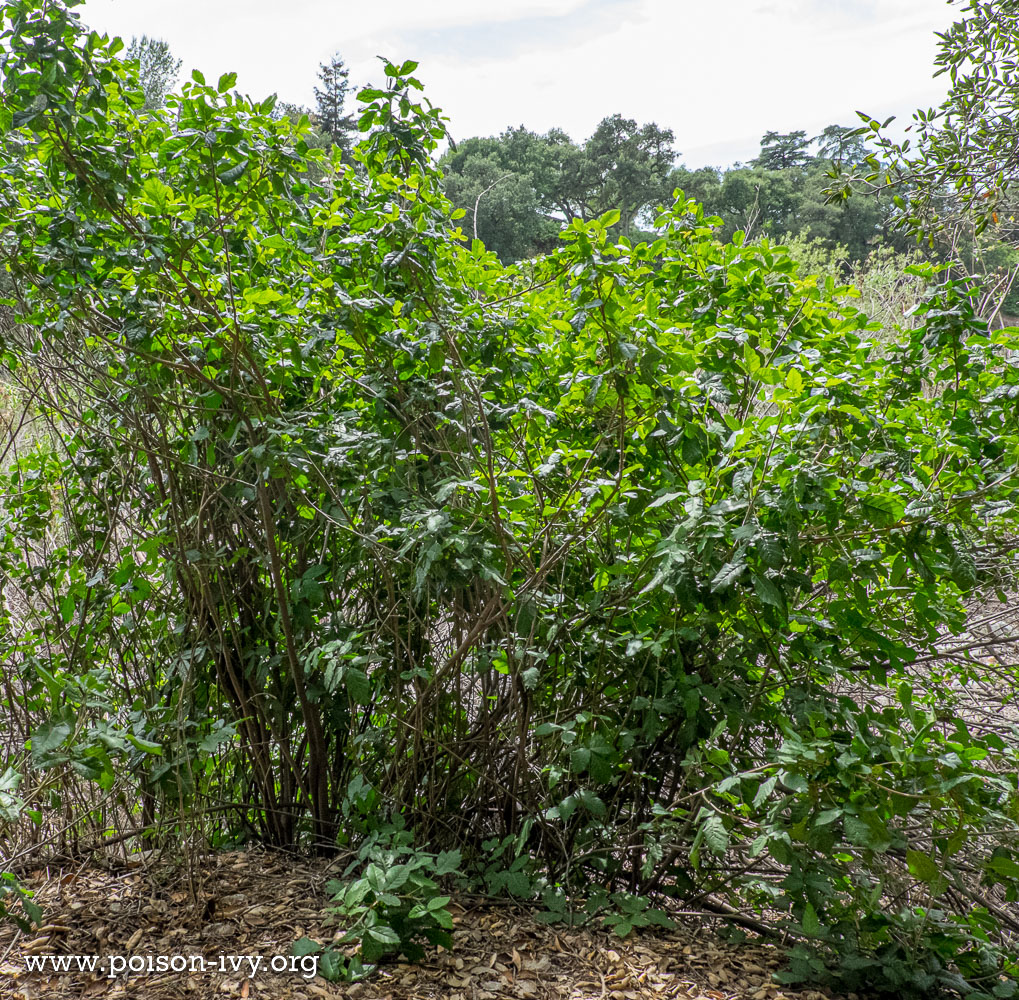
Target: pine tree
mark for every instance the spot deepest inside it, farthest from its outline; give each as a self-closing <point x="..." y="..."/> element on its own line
<point x="782" y="150"/>
<point x="329" y="99"/>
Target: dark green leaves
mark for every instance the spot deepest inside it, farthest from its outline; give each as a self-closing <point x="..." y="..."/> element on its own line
<point x="235" y="173"/>
<point x="963" y="569"/>
<point x="769" y="592"/>
<point x="727" y="575"/>
<point x="48" y="737"/>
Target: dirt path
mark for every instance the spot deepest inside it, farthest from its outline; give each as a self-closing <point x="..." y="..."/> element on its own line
<point x="256" y="904"/>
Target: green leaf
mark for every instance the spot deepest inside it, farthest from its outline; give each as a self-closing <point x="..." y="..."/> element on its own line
<point x="67" y="606"/>
<point x="751" y="359"/>
<point x="764" y="791"/>
<point x="889" y="507"/>
<point x="262" y="296"/>
<point x="332" y="965"/>
<point x="226" y="81"/>
<point x="662" y="500"/>
<point x="810" y="923"/>
<point x="146" y="746"/>
<point x="436" y="357"/>
<point x="159" y="195"/>
<point x="305" y="946"/>
<point x="963" y="569"/>
<point x="867" y="831"/>
<point x="33" y="910"/>
<point x="768" y="592"/>
<point x="235" y="173"/>
<point x="359" y="687"/>
<point x="372" y="950"/>
<point x="49" y="736"/>
<point x="395" y="878"/>
<point x="518" y="884"/>
<point x="923" y="867"/>
<point x="448" y="862"/>
<point x="715" y="834"/>
<point x="727" y="576"/>
<point x="591" y="802"/>
<point x="383" y="934"/>
<point x="1005" y="867"/>
<point x="827" y="816"/>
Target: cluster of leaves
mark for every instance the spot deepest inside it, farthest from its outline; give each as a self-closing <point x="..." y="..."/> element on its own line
<point x="622" y="912"/>
<point x="957" y="168"/>
<point x="16" y="903"/>
<point x="567" y="559"/>
<point x="872" y="811"/>
<point x="393" y="905"/>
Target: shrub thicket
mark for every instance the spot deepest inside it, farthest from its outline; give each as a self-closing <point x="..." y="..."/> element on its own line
<point x="341" y="524"/>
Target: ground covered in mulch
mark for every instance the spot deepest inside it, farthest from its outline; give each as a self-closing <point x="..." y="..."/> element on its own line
<point x="255" y="903"/>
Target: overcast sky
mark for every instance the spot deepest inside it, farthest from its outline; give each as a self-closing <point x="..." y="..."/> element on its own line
<point x="719" y="73"/>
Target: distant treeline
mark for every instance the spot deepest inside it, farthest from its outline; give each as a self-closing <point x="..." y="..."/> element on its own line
<point x="518" y="187"/>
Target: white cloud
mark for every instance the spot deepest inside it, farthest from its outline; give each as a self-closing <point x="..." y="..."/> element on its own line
<point x="718" y="73"/>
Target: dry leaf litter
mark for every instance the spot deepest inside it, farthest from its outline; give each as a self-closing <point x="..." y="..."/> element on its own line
<point x="258" y="903"/>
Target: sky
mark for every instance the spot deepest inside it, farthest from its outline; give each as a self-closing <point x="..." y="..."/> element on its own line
<point x="719" y="73"/>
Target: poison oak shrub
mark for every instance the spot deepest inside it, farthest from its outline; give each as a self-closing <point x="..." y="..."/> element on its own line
<point x="356" y="525"/>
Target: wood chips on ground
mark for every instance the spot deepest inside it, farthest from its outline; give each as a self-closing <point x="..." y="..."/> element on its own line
<point x="258" y="903"/>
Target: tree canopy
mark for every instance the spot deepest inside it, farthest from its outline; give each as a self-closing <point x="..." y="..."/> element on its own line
<point x="781" y="151"/>
<point x="784" y="191"/>
<point x="524" y="186"/>
<point x="543" y="181"/>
